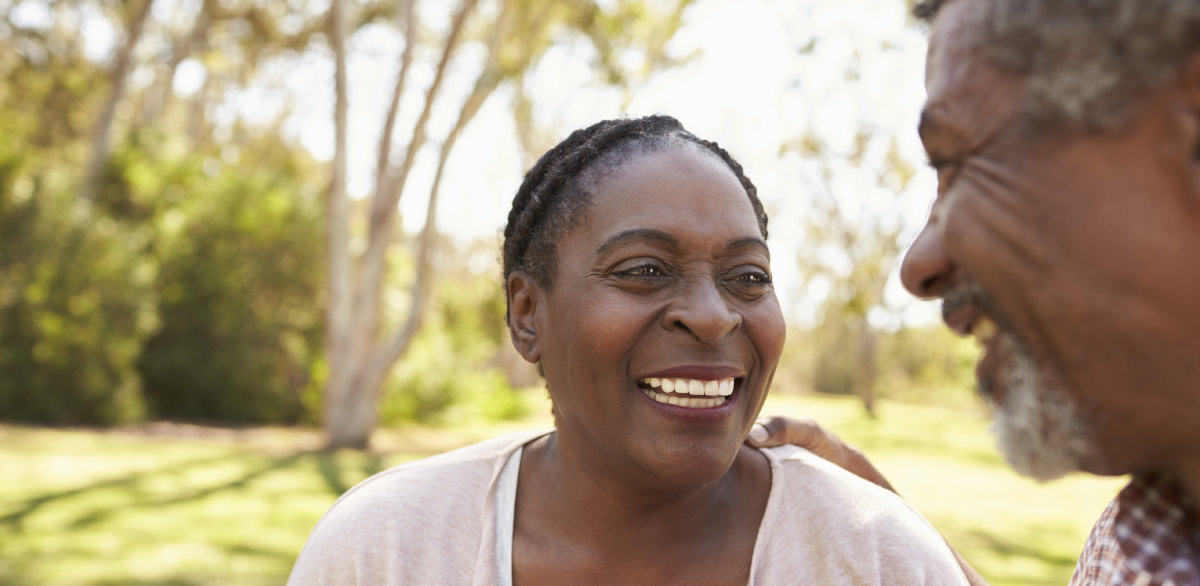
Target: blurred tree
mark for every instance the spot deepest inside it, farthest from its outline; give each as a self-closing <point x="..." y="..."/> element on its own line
<point x="136" y="207"/>
<point x="107" y="179"/>
<point x="451" y="368"/>
<point x="73" y="285"/>
<point x="852" y="250"/>
<point x="239" y="303"/>
<point x="360" y="355"/>
<point x="139" y="11"/>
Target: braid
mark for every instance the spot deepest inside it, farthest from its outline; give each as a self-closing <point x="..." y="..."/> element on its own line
<point x="557" y="189"/>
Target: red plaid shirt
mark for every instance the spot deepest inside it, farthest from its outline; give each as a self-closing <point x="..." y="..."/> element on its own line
<point x="1148" y="536"/>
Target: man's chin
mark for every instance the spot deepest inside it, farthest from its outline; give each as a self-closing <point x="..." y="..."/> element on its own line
<point x="1038" y="429"/>
<point x="1028" y="458"/>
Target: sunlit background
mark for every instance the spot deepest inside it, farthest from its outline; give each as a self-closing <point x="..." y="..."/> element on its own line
<point x="170" y="340"/>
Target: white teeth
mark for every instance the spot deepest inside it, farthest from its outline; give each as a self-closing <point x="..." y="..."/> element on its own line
<point x="689" y="392"/>
<point x="698" y="388"/>
<point x="688" y="402"/>
<point x="725" y="388"/>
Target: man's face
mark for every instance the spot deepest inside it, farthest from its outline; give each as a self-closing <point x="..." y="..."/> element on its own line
<point x="1074" y="258"/>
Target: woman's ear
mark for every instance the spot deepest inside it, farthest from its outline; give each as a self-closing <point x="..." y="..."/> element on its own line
<point x="523" y="297"/>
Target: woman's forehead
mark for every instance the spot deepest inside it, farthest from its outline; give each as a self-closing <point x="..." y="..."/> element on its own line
<point x="674" y="188"/>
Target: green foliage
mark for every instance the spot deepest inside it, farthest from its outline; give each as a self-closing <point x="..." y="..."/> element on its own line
<point x="73" y="302"/>
<point x="240" y="295"/>
<point x="926" y="365"/>
<point x="448" y="373"/>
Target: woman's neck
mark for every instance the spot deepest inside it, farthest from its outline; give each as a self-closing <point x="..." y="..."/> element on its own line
<point x="579" y="511"/>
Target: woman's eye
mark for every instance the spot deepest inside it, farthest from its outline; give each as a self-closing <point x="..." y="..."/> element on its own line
<point x="642" y="271"/>
<point x="750" y="282"/>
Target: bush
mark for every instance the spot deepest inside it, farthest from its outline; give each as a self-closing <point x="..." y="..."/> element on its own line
<point x="241" y="302"/>
<point x="73" y="304"/>
<point x="449" y="372"/>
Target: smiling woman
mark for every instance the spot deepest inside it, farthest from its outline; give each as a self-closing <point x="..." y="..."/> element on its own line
<point x="638" y="279"/>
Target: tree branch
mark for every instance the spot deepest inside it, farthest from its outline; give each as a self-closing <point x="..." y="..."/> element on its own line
<point x="406" y="58"/>
<point x="487" y="82"/>
<point x="339" y="316"/>
<point x="120" y="75"/>
<point x="383" y="205"/>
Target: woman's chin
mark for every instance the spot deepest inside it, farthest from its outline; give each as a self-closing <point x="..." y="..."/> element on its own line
<point x="692" y="464"/>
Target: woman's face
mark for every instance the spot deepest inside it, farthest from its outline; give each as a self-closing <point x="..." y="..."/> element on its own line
<point x="661" y="331"/>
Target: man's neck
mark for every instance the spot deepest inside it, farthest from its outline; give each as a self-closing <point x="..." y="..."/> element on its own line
<point x="1189" y="477"/>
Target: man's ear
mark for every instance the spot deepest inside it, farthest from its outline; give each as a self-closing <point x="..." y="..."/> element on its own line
<point x="524" y="294"/>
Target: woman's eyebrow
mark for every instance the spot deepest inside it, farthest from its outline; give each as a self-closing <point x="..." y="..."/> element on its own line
<point x="748" y="242"/>
<point x="638" y="234"/>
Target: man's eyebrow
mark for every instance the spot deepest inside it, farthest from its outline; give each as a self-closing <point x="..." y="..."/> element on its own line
<point x="638" y="234"/>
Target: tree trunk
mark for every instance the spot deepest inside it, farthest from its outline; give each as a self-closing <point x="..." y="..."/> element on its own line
<point x="120" y="74"/>
<point x="340" y="352"/>
<point x="358" y="367"/>
<point x="866" y="366"/>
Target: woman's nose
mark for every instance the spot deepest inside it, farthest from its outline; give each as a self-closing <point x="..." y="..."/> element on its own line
<point x="926" y="269"/>
<point x="703" y="311"/>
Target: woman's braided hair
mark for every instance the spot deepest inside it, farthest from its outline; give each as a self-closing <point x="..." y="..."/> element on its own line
<point x="558" y="189"/>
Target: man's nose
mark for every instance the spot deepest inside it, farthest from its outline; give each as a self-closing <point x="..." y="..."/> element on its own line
<point x="926" y="270"/>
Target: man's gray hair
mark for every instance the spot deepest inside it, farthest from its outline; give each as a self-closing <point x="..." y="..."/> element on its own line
<point x="1088" y="63"/>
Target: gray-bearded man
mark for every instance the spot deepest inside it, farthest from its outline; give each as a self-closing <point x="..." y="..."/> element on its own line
<point x="1065" y="237"/>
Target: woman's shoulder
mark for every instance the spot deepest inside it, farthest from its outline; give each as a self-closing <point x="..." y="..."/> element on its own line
<point x="445" y="479"/>
<point x="825" y="517"/>
<point x="815" y="487"/>
<point x="428" y="509"/>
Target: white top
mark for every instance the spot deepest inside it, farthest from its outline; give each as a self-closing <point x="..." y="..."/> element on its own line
<point x="425" y="522"/>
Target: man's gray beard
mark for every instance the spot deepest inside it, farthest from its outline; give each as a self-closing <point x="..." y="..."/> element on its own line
<point x="1038" y="429"/>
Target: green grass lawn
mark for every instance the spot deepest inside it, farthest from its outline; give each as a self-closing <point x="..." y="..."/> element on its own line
<point x="189" y="506"/>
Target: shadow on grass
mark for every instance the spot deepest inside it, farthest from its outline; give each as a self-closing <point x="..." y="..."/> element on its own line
<point x="272" y="465"/>
<point x="129" y="482"/>
<point x="12" y="572"/>
<point x="1012" y="549"/>
<point x="332" y="473"/>
<point x="326" y="463"/>
<point x="172" y="581"/>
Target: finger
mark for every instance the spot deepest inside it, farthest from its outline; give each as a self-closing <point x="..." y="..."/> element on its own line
<point x="784" y="430"/>
<point x="758" y="434"/>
